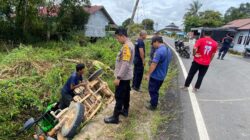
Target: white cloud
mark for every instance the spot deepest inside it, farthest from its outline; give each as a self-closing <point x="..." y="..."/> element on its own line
<point x="162" y="12"/>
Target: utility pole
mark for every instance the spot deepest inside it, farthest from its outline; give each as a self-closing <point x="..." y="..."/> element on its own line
<point x="134" y="10"/>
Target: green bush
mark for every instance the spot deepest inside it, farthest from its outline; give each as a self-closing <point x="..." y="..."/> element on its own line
<point x="30" y="90"/>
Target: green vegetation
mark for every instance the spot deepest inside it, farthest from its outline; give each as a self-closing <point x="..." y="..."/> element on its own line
<point x="194" y="18"/>
<point x="31" y="77"/>
<point x="32" y="21"/>
<point x="210" y="18"/>
<point x="233" y="13"/>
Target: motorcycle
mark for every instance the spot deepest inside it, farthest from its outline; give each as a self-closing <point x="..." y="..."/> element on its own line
<point x="183" y="50"/>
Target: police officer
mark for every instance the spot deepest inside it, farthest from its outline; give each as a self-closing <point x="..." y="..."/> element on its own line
<point x="158" y="70"/>
<point x="139" y="61"/>
<point x="123" y="75"/>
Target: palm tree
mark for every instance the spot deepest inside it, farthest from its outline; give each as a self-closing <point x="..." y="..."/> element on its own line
<point x="195" y="7"/>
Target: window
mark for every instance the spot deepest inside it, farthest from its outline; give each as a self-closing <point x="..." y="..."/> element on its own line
<point x="240" y="39"/>
<point x="248" y="40"/>
<point x="245" y="40"/>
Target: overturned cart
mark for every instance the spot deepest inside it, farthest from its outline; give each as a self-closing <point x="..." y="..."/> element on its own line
<point x="95" y="94"/>
<point x="59" y="124"/>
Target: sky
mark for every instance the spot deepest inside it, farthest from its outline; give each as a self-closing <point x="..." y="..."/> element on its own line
<point x="163" y="12"/>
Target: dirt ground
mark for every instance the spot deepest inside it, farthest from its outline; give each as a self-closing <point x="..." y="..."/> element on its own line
<point x="138" y="120"/>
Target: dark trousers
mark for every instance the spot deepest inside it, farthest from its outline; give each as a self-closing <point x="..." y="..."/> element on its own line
<point x="66" y="98"/>
<point x="138" y="75"/>
<point x="122" y="97"/>
<point x="223" y="51"/>
<point x="194" y="68"/>
<point x="153" y="88"/>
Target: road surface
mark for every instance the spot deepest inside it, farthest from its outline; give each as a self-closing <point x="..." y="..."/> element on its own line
<point x="223" y="101"/>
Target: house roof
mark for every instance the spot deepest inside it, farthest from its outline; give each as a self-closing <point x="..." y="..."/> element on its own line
<point x="54" y="10"/>
<point x="241" y="24"/>
<point x="95" y="8"/>
<point x="246" y="27"/>
<point x="171" y="27"/>
<point x="51" y="11"/>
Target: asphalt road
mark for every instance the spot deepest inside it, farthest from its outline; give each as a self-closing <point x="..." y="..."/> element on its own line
<point x="224" y="100"/>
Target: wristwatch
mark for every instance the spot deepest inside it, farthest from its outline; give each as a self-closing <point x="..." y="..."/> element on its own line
<point x="119" y="78"/>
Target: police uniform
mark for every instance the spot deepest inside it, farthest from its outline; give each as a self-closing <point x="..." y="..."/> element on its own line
<point x="124" y="72"/>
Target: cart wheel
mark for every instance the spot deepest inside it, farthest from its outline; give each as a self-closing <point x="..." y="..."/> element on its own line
<point x="75" y="116"/>
<point x="95" y="75"/>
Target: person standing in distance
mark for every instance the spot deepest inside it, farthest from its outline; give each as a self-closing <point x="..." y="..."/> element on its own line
<point x="226" y="43"/>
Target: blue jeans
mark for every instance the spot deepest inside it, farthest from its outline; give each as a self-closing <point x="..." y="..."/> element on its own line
<point x="153" y="88"/>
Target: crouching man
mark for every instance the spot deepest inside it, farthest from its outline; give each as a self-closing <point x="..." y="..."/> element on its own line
<point x="74" y="81"/>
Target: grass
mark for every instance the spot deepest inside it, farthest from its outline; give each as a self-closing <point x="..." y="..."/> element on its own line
<point x="34" y="75"/>
<point x="141" y="122"/>
<point x="42" y="71"/>
<point x="235" y="52"/>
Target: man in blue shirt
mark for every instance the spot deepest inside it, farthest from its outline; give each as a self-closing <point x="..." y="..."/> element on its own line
<point x="152" y="49"/>
<point x="158" y="70"/>
<point x="139" y="60"/>
<point x="74" y="81"/>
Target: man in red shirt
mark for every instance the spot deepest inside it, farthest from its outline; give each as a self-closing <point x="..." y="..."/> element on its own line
<point x="203" y="52"/>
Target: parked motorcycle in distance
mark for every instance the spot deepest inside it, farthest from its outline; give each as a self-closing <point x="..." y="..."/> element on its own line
<point x="184" y="51"/>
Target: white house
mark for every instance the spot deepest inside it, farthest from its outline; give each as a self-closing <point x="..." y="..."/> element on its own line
<point x="99" y="19"/>
<point x="242" y="36"/>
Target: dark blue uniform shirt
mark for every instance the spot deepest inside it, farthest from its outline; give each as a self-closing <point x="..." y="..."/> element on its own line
<point x="138" y="44"/>
<point x="74" y="79"/>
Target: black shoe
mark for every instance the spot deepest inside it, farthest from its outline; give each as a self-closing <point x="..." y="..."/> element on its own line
<point x="222" y="58"/>
<point x="112" y="120"/>
<point x="124" y="113"/>
<point x="150" y="107"/>
<point x="218" y="57"/>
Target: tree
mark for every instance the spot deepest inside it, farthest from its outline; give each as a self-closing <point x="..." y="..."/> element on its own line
<point x="134" y="29"/>
<point x="191" y="18"/>
<point x="27" y="21"/>
<point x="126" y="23"/>
<point x="71" y="16"/>
<point x="243" y="11"/>
<point x="194" y="8"/>
<point x="148" y="24"/>
<point x="23" y="21"/>
<point x="211" y="18"/>
<point x="7" y="28"/>
<point x="191" y="22"/>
